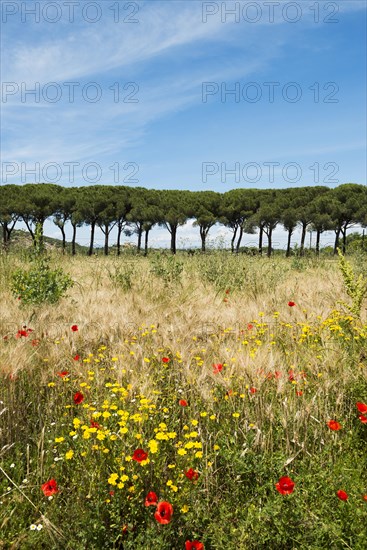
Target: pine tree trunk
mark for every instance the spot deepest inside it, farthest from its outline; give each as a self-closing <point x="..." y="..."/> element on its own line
<point x="173" y="239"/>
<point x="62" y="229"/>
<point x="344" y="232"/>
<point x="106" y="235"/>
<point x="336" y="244"/>
<point x="318" y="234"/>
<point x="270" y="234"/>
<point x="119" y="231"/>
<point x="140" y="232"/>
<point x="288" y="253"/>
<point x="92" y="228"/>
<point x="203" y="238"/>
<point x="303" y="238"/>
<point x="146" y="242"/>
<point x="30" y="231"/>
<point x="261" y="240"/>
<point x="233" y="239"/>
<point x="239" y="240"/>
<point x="5" y="235"/>
<point x="9" y="232"/>
<point x="73" y="240"/>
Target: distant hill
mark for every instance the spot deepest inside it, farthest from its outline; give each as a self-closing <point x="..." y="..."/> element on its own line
<point x="22" y="239"/>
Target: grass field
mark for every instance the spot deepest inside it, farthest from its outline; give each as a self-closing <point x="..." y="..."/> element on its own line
<point x="206" y="380"/>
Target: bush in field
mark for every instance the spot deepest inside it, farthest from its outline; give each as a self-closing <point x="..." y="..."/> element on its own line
<point x="167" y="268"/>
<point x="230" y="271"/>
<point x="122" y="276"/>
<point x="40" y="284"/>
<point x="356" y="287"/>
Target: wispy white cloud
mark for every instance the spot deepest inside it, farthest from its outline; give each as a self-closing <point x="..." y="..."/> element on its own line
<point x="59" y="135"/>
<point x="86" y="52"/>
<point x="169" y="53"/>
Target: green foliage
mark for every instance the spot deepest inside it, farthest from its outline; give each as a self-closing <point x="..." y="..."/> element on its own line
<point x="167" y="268"/>
<point x="356" y="287"/>
<point x="40" y="284"/>
<point x="39" y="245"/>
<point x="223" y="272"/>
<point x="241" y="210"/>
<point x="298" y="263"/>
<point x="123" y="275"/>
<point x="252" y="276"/>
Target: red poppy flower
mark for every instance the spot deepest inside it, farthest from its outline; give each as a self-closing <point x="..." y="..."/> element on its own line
<point x="299" y="393"/>
<point x="291" y="304"/>
<point x="192" y="474"/>
<point x="334" y="425"/>
<point x="50" y="488"/>
<point x="24" y="331"/>
<point x="63" y="373"/>
<point x="76" y="357"/>
<point x="363" y="419"/>
<point x="361" y="407"/>
<point x="194" y="545"/>
<point x="250" y="326"/>
<point x="78" y="397"/>
<point x="342" y="495"/>
<point x="291" y="375"/>
<point x="217" y="367"/>
<point x="183" y="403"/>
<point x="364" y="498"/>
<point x="253" y="390"/>
<point x="277" y="374"/>
<point x="111" y="493"/>
<point x="94" y="424"/>
<point x="74" y="328"/>
<point x="165" y="359"/>
<point x="164" y="512"/>
<point x="285" y="485"/>
<point x="139" y="455"/>
<point x="151" y="499"/>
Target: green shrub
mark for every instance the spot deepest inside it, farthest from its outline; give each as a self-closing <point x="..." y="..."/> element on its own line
<point x="167" y="268"/>
<point x="40" y="284"/>
<point x="122" y="276"/>
<point x="356" y="287"/>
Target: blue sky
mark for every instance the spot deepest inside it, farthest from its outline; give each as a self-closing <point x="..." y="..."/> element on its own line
<point x="169" y="137"/>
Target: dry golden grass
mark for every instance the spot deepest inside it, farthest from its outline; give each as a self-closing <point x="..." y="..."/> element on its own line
<point x="107" y="314"/>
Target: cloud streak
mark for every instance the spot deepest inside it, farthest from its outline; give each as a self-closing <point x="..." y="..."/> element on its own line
<point x="168" y="54"/>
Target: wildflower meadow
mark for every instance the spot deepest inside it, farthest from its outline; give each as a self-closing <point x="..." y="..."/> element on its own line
<point x="190" y="402"/>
